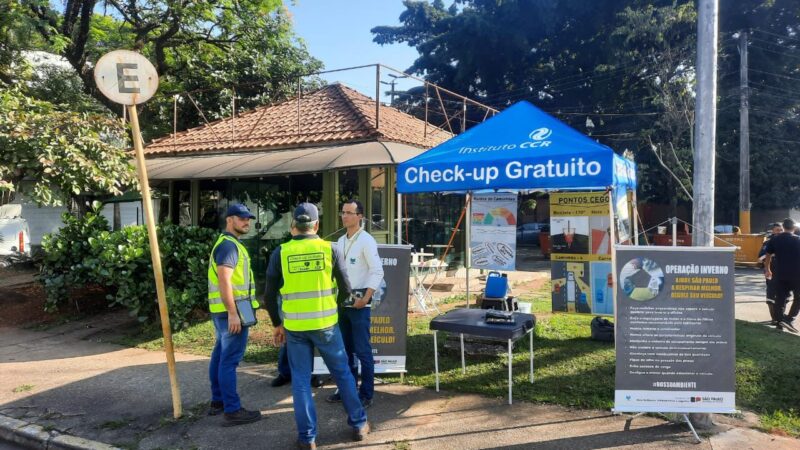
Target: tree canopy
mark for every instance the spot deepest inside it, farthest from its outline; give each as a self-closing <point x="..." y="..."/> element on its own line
<point x="205" y="48"/>
<point x="58" y="129"/>
<point x="623" y="72"/>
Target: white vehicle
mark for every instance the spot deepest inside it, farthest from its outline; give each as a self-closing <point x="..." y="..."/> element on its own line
<point x="15" y="237"/>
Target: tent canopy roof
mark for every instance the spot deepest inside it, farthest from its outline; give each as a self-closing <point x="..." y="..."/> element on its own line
<point x="521" y="148"/>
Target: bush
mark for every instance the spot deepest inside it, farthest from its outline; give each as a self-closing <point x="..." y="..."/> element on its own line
<point x="85" y="253"/>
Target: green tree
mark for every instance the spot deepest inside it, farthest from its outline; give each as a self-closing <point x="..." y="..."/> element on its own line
<point x="67" y="154"/>
<point x="206" y="47"/>
<point x="623" y="71"/>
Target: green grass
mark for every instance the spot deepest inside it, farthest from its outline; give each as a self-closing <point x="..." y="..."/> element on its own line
<point x="22" y="388"/>
<point x="570" y="369"/>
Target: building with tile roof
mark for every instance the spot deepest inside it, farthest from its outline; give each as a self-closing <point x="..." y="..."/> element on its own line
<point x="323" y="147"/>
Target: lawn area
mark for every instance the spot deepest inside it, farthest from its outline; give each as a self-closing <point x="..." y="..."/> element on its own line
<point x="570" y="369"/>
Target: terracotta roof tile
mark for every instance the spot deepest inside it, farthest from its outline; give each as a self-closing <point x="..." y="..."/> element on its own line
<point x="333" y="114"/>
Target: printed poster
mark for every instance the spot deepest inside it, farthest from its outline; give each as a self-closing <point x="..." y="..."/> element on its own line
<point x="493" y="231"/>
<point x="675" y="332"/>
<point x="389" y="313"/>
<point x="580" y="236"/>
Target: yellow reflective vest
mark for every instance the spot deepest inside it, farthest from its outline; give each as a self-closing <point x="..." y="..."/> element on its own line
<point x="309" y="290"/>
<point x="242" y="280"/>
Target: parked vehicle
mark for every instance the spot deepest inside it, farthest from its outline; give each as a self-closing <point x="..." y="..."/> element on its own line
<point x="528" y="233"/>
<point x="14" y="234"/>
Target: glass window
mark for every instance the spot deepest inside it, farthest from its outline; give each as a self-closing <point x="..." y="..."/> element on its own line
<point x="377" y="187"/>
<point x="430" y="219"/>
<point x="182" y="204"/>
<point x="213" y="204"/>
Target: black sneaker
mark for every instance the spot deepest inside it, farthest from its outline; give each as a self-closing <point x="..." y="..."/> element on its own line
<point x="306" y="445"/>
<point x="280" y="380"/>
<point x="366" y="402"/>
<point x="334" y="398"/>
<point x="788" y="325"/>
<point x="215" y="408"/>
<point x="241" y="417"/>
<point x="361" y="433"/>
<point x="317" y="381"/>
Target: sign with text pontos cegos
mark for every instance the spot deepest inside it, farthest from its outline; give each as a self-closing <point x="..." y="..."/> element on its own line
<point x="389" y="312"/>
<point x="675" y="331"/>
<point x="580" y="236"/>
<point x="493" y="232"/>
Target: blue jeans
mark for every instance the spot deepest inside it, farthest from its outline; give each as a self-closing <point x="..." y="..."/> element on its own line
<point x="301" y="356"/>
<point x="228" y="352"/>
<point x="355" y="332"/>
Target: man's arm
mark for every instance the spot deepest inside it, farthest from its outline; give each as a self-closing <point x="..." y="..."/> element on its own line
<point x="274" y="284"/>
<point x="375" y="274"/>
<point x="767" y="267"/>
<point x="769" y="252"/>
<point x="224" y="274"/>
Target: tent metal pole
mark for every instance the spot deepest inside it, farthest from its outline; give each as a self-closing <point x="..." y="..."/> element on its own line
<point x="468" y="237"/>
<point x="635" y="218"/>
<point x="399" y="218"/>
<point x="612" y="238"/>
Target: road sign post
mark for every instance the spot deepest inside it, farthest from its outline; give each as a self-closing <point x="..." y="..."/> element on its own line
<point x="128" y="78"/>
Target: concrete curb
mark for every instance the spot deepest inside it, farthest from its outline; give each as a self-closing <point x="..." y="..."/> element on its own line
<point x="35" y="436"/>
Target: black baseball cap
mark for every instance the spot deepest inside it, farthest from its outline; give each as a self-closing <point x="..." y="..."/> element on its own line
<point x="305" y="213"/>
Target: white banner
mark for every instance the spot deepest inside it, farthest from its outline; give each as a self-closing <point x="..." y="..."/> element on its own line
<point x="494" y="231"/>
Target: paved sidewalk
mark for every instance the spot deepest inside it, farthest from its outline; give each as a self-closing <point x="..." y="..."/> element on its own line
<point x="70" y="380"/>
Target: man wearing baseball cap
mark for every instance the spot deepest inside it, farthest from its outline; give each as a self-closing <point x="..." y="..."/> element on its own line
<point x="309" y="275"/>
<point x="230" y="279"/>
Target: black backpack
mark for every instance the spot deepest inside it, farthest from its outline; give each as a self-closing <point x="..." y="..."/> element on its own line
<point x="602" y="330"/>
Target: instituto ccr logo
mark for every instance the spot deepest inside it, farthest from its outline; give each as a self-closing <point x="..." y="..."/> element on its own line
<point x="538" y="138"/>
<point x="540" y="134"/>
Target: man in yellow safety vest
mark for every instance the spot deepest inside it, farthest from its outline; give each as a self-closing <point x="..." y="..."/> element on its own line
<point x="309" y="276"/>
<point x="230" y="279"/>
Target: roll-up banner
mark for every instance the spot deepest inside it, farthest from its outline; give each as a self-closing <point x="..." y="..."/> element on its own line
<point x="675" y="331"/>
<point x="389" y="315"/>
<point x="580" y="233"/>
<point x="493" y="235"/>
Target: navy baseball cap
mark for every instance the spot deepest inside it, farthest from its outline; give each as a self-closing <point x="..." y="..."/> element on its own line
<point x="306" y="212"/>
<point x="238" y="209"/>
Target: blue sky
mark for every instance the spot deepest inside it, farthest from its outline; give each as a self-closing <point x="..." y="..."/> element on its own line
<point x="337" y="33"/>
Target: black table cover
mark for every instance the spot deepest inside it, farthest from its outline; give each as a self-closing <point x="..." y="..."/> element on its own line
<point x="471" y="321"/>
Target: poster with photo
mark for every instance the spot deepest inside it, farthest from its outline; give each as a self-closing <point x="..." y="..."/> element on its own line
<point x="580" y="227"/>
<point x="675" y="330"/>
<point x="600" y="235"/>
<point x="570" y="287"/>
<point x="602" y="288"/>
<point x="569" y="235"/>
<point x="493" y="241"/>
<point x="623" y="216"/>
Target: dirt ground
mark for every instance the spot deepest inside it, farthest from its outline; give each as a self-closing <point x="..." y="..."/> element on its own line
<point x="23" y="304"/>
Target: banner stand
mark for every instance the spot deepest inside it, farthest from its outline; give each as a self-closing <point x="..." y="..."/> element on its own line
<point x="684" y="416"/>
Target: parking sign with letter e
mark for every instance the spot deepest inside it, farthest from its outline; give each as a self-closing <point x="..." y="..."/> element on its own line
<point x="126" y="77"/>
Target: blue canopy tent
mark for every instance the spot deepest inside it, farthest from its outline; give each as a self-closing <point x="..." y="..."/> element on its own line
<point x="521" y="148"/>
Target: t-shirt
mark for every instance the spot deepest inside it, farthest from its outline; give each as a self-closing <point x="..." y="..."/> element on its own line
<point x="786" y="248"/>
<point x="226" y="253"/>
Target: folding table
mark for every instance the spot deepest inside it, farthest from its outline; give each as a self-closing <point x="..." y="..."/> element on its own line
<point x="471" y="322"/>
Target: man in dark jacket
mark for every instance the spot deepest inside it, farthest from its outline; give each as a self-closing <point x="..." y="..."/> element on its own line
<point x="786" y="276"/>
<point x="775" y="229"/>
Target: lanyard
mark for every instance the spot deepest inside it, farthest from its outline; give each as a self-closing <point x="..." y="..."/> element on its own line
<point x="351" y="241"/>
